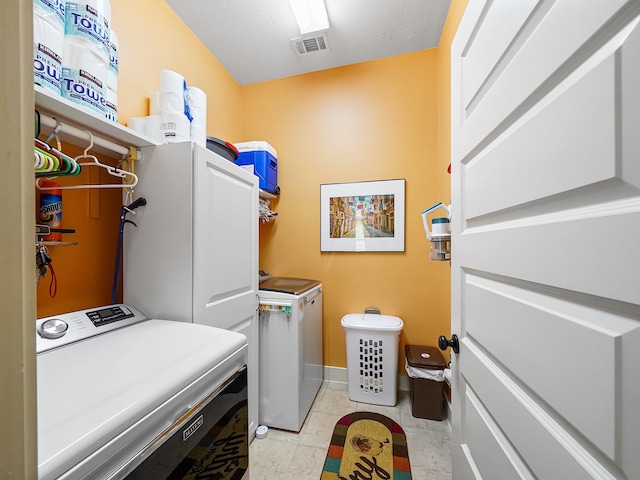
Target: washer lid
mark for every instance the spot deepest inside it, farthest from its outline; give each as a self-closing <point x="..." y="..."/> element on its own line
<point x="294" y="286"/>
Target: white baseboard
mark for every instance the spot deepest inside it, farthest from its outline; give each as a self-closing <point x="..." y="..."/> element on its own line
<point x="335" y="374"/>
<point x="339" y="375"/>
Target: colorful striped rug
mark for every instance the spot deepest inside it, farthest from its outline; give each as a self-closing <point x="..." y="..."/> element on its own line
<point x="367" y="445"/>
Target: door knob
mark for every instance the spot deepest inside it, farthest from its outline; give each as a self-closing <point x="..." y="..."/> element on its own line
<point x="443" y="343"/>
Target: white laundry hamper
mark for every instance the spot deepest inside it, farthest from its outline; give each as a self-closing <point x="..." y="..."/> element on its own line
<point x="372" y="357"/>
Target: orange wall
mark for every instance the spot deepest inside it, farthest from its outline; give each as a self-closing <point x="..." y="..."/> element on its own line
<point x="84" y="271"/>
<point x="372" y="121"/>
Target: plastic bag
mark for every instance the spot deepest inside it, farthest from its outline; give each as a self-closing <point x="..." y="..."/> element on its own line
<point x="413" y="372"/>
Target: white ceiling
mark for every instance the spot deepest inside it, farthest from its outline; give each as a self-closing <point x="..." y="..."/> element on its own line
<point x="252" y="38"/>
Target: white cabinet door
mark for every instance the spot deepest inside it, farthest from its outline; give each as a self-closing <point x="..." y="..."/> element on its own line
<point x="545" y="235"/>
<point x="225" y="254"/>
<point x="158" y="253"/>
<point x="225" y="270"/>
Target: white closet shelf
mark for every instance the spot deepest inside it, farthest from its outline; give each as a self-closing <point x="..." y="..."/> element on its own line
<point x="77" y="116"/>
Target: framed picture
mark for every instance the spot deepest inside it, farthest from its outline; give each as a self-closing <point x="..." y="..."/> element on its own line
<point x="362" y="216"/>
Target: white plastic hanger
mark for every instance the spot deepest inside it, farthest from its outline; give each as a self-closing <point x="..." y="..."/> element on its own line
<point x="130" y="180"/>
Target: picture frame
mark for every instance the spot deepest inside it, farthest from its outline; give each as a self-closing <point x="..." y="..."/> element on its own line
<point x="364" y="216"/>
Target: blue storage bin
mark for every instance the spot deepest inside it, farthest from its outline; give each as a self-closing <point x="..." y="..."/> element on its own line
<point x="262" y="157"/>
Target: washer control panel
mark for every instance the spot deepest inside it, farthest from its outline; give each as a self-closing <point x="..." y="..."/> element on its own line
<point x="60" y="330"/>
<point x="109" y="315"/>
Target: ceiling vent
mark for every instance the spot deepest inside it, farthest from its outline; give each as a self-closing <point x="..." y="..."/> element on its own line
<point x="311" y="44"/>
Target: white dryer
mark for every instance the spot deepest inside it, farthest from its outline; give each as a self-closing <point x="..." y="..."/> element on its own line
<point x="290" y="366"/>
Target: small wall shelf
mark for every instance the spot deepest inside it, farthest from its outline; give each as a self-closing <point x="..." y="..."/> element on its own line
<point x="265" y="194"/>
<point x="58" y="244"/>
<point x="264" y="209"/>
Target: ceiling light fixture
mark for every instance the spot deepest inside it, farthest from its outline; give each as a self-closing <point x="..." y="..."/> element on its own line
<point x="311" y="15"/>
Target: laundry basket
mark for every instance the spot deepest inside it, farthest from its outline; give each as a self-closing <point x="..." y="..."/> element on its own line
<point x="372" y="357"/>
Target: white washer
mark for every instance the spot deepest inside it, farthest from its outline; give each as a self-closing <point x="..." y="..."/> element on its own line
<point x="290" y="351"/>
<point x="123" y="396"/>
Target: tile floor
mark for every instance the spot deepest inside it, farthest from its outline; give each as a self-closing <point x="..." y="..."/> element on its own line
<point x="301" y="456"/>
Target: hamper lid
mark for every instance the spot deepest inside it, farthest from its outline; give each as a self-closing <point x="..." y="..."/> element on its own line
<point x="372" y="321"/>
<point x="424" y="357"/>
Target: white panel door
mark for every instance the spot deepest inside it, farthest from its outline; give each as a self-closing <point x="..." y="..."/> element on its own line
<point x="545" y="240"/>
<point x="225" y="245"/>
<point x="225" y="270"/>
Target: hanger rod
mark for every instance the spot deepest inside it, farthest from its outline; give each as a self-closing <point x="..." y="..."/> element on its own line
<point x="83" y="135"/>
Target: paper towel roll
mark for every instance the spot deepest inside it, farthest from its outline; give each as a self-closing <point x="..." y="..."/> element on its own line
<point x="171" y="81"/>
<point x="48" y="48"/>
<point x="152" y="128"/>
<point x="52" y="10"/>
<point x="175" y="127"/>
<point x="137" y="124"/>
<point x="111" y="105"/>
<point x="154" y="104"/>
<point x="89" y="20"/>
<point x="84" y="70"/>
<point x="112" y="70"/>
<point x="172" y="88"/>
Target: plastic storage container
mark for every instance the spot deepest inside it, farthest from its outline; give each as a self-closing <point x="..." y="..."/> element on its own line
<point x="425" y="367"/>
<point x="264" y="160"/>
<point x="372" y="357"/>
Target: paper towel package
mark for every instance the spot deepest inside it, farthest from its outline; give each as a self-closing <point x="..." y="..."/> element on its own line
<point x="175" y="128"/>
<point x="153" y="128"/>
<point x="85" y="58"/>
<point x="52" y="10"/>
<point x="149" y="126"/>
<point x="111" y="105"/>
<point x="112" y="71"/>
<point x="175" y="125"/>
<point x="89" y="20"/>
<point x="48" y="47"/>
<point x="172" y="88"/>
<point x="84" y="71"/>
